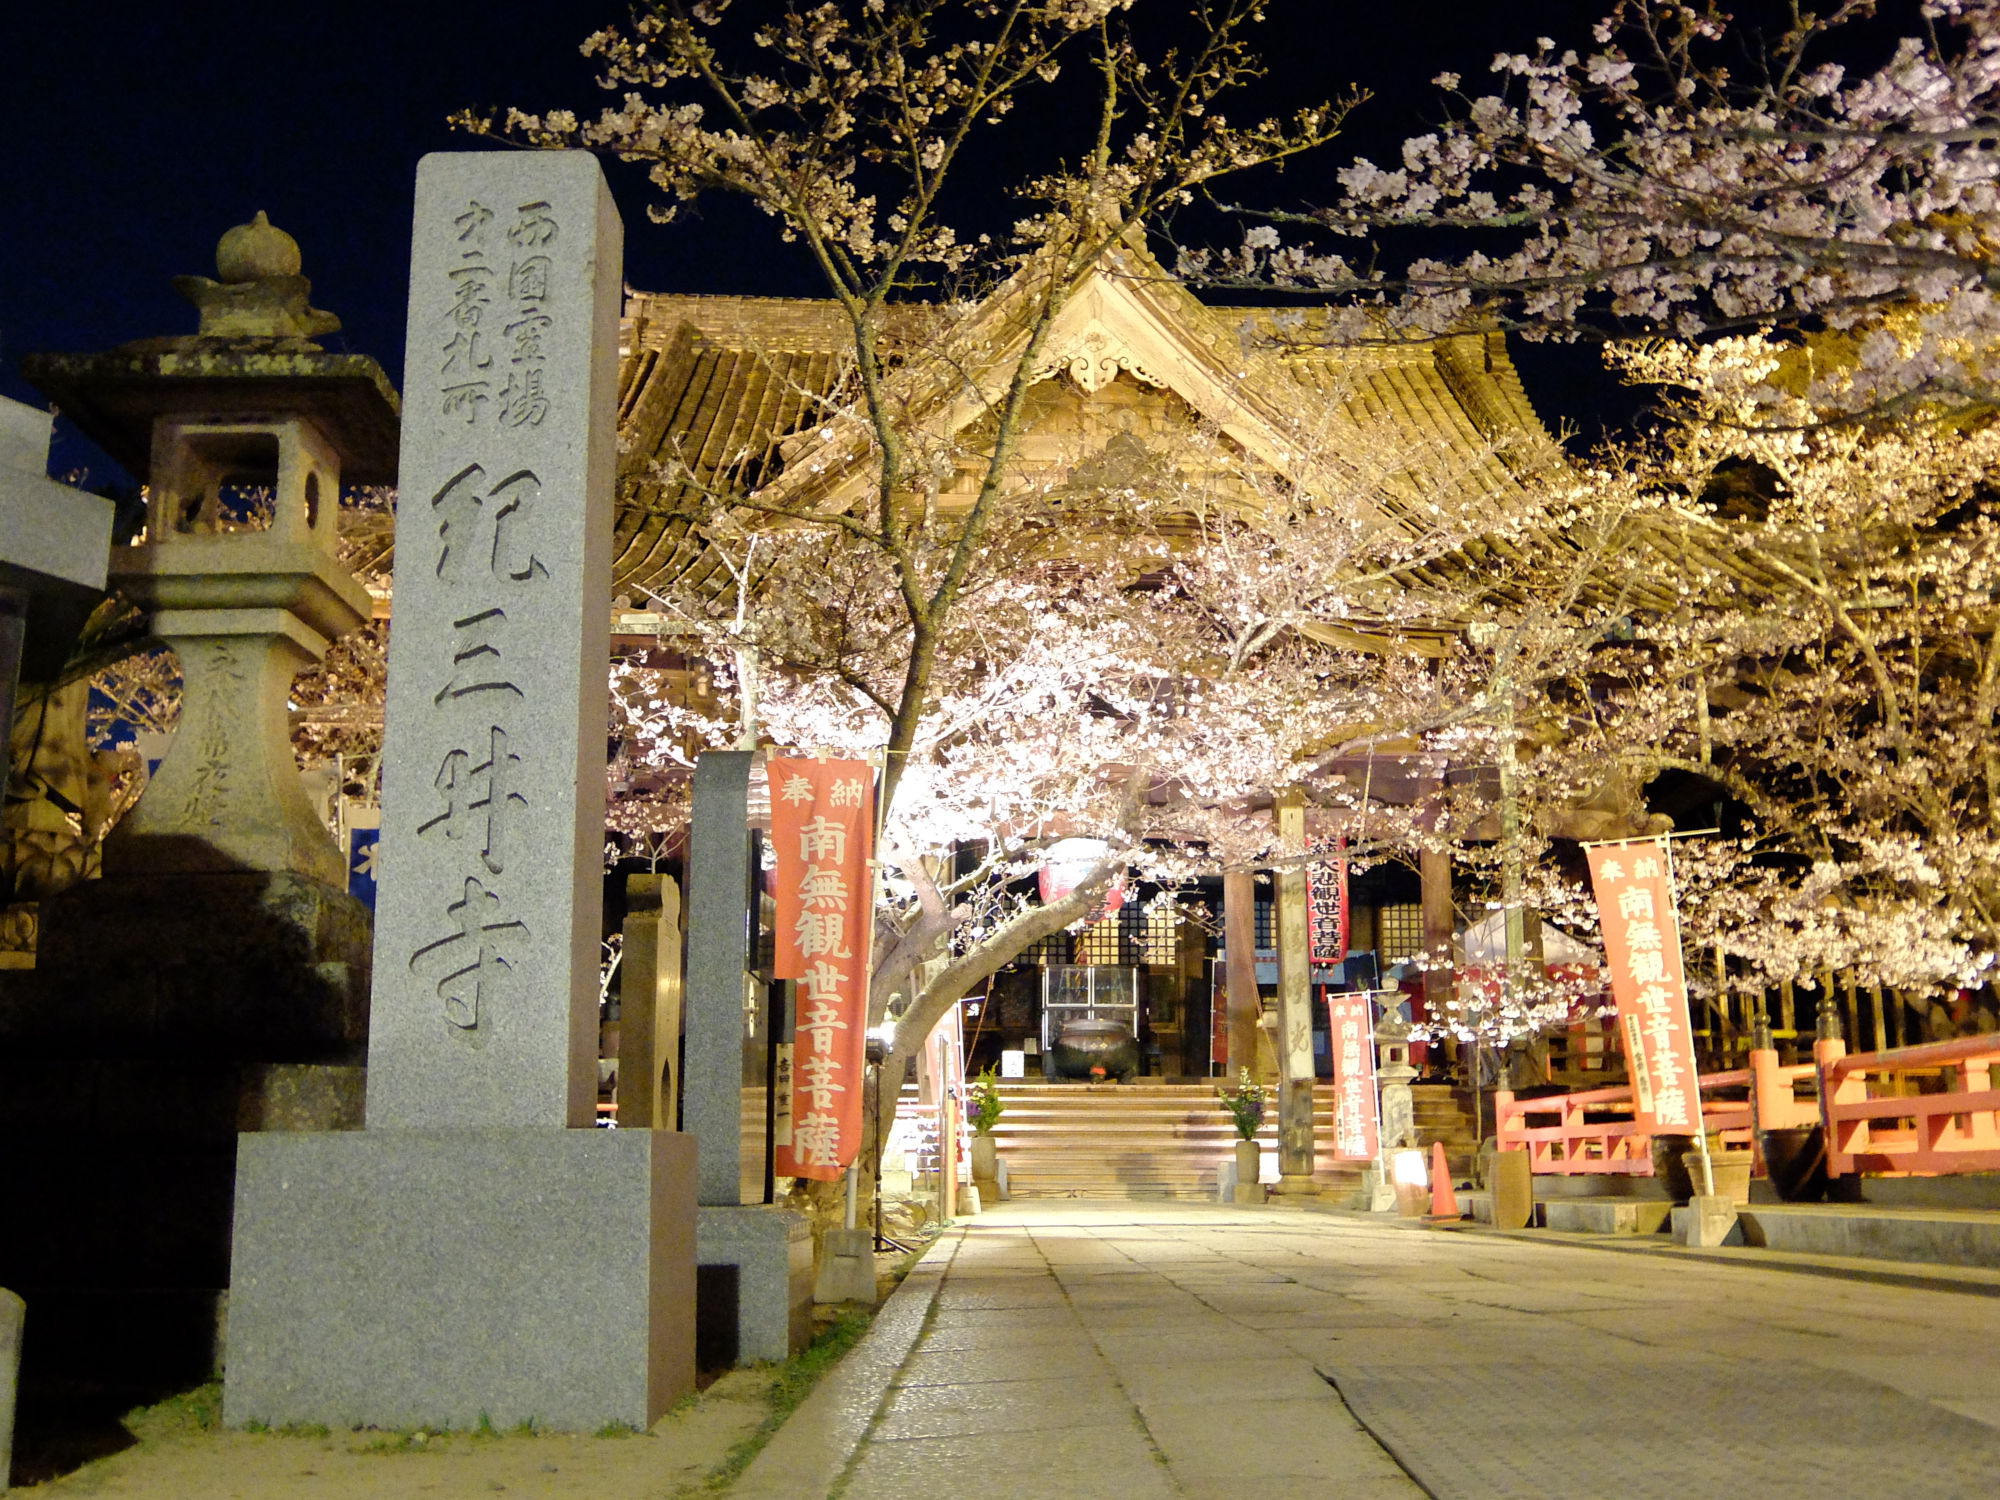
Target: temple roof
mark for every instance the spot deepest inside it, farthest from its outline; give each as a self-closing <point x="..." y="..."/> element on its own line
<point x="735" y="386"/>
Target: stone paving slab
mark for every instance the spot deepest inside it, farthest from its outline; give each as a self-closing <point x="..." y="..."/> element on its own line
<point x="1312" y="1437"/>
<point x="1037" y="1408"/>
<point x="943" y="1338"/>
<point x="1666" y="1428"/>
<point x="1110" y="1461"/>
<point x="1218" y="1381"/>
<point x="1351" y="1356"/>
<point x="975" y="1366"/>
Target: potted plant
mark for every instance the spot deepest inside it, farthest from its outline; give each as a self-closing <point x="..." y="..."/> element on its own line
<point x="1731" y="1170"/>
<point x="984" y="1108"/>
<point x="1245" y="1104"/>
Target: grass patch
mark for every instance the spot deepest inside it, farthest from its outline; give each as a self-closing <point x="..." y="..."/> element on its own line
<point x="416" y="1440"/>
<point x="198" y="1410"/>
<point x="793" y="1382"/>
<point x="618" y="1430"/>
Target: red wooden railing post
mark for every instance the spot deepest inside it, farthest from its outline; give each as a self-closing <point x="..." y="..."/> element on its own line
<point x="1977" y="1078"/>
<point x="1767" y="1087"/>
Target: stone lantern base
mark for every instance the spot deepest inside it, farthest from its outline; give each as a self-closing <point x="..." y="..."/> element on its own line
<point x="162" y="1019"/>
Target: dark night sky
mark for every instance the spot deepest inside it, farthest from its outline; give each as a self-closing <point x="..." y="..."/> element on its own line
<point x="137" y="133"/>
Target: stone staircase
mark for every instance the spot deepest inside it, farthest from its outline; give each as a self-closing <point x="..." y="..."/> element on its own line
<point x="1137" y="1140"/>
<point x="1157" y="1140"/>
<point x="1444" y="1114"/>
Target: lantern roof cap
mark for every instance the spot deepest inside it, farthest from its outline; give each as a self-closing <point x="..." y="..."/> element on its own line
<point x="252" y="356"/>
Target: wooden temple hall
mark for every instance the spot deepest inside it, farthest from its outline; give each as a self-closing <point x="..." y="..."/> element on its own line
<point x="721" y="394"/>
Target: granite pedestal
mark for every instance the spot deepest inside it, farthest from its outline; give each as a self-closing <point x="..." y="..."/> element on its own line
<point x="393" y="1278"/>
<point x="755" y="1279"/>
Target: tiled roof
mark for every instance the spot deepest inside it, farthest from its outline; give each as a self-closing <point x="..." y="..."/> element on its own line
<point x="719" y="383"/>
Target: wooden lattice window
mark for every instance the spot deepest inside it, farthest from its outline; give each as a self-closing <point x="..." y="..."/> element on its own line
<point x="1053" y="949"/>
<point x="1160" y="937"/>
<point x="1399" y="933"/>
<point x="1102" y="943"/>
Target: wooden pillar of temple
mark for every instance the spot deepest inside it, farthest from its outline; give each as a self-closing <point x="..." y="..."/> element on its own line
<point x="1295" y="1050"/>
<point x="1239" y="936"/>
<point x="1440" y="923"/>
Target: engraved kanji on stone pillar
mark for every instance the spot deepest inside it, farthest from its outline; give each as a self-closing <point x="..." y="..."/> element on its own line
<point x="489" y="899"/>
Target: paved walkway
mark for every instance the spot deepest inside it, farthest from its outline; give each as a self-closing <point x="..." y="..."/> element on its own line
<point x="1080" y="1349"/>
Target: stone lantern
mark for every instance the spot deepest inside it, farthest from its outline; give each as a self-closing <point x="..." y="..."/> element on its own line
<point x="247" y="597"/>
<point x="1394" y="1072"/>
<point x="216" y="978"/>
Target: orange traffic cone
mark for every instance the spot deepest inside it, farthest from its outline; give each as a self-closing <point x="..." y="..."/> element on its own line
<point x="1444" y="1202"/>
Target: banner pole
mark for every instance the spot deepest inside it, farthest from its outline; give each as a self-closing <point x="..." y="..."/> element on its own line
<point x="1700" y="1124"/>
<point x="1647" y="838"/>
<point x="1381" y="1146"/>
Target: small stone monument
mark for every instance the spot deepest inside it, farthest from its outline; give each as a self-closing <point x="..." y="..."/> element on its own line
<point x="649" y="1002"/>
<point x="479" y="1252"/>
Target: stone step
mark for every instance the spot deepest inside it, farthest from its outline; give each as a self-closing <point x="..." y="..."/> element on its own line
<point x="1158" y="1139"/>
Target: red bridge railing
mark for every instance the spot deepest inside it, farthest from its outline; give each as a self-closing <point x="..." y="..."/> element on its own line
<point x="1924" y="1111"/>
<point x="1594" y="1133"/>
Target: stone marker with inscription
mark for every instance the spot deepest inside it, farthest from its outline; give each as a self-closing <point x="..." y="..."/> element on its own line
<point x="479" y="1250"/>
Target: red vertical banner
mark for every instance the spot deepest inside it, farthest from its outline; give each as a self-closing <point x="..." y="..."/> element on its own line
<point x="1326" y="905"/>
<point x="1356" y="1110"/>
<point x="1642" y="947"/>
<point x="823" y="832"/>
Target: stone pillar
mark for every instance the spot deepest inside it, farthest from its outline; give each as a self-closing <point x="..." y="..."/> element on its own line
<point x="721" y="928"/>
<point x="1440" y="923"/>
<point x="755" y="1261"/>
<point x="1295" y="1053"/>
<point x="1239" y="937"/>
<point x="490" y="903"/>
<point x="479" y="1252"/>
<point x="649" y="1005"/>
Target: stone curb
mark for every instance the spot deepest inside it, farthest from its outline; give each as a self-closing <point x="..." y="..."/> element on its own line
<point x="807" y="1456"/>
<point x="1973" y="1281"/>
<point x="1969" y="1280"/>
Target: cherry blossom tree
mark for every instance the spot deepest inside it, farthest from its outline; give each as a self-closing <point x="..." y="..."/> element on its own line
<point x="847" y="125"/>
<point x="1829" y="667"/>
<point x="1689" y="174"/>
<point x="1222" y="632"/>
